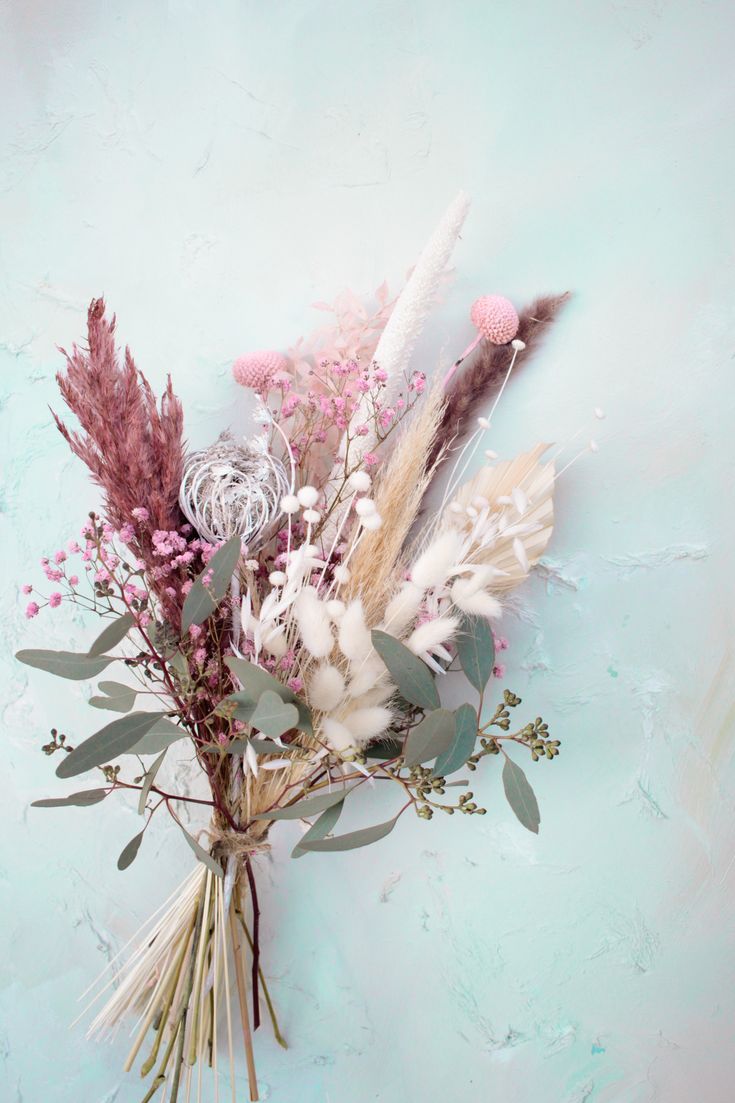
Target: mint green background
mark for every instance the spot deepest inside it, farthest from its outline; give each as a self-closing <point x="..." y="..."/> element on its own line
<point x="213" y="169"/>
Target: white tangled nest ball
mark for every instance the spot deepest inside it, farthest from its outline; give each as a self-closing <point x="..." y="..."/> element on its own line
<point x="233" y="489"/>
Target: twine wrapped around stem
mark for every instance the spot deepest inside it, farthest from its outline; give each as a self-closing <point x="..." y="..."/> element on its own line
<point x="238" y="844"/>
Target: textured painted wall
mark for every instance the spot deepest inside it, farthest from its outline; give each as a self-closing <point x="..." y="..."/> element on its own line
<point x="214" y="168"/>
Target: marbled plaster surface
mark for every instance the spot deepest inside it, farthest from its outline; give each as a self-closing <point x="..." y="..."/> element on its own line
<point x="213" y="169"/>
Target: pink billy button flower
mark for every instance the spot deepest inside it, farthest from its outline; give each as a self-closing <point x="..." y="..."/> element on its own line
<point x="54" y="600"/>
<point x="258" y="369"/>
<point x="495" y="318"/>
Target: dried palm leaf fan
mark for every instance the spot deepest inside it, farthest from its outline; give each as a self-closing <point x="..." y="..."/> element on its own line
<point x="502" y="498"/>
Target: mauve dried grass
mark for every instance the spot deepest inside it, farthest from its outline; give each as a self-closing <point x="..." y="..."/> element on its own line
<point x="133" y="449"/>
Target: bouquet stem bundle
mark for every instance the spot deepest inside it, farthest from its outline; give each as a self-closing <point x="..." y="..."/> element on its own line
<point x="283" y="612"/>
<point x="180" y="983"/>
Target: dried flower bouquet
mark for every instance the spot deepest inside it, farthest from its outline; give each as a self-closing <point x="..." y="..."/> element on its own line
<point x="284" y="605"/>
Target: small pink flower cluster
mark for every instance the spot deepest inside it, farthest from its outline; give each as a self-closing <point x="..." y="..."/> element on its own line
<point x="501" y="644"/>
<point x="337" y="390"/>
<point x="101" y="559"/>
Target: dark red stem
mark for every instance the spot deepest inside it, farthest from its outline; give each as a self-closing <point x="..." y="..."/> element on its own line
<point x="256" y="943"/>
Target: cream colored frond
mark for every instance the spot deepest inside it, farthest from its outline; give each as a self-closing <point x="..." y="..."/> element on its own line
<point x="536" y="481"/>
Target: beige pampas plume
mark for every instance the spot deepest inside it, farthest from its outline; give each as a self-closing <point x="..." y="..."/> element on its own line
<point x="398" y="493"/>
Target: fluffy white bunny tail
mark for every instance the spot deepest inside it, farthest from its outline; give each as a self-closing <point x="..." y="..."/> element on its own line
<point x="432" y="634"/>
<point x="313" y="622"/>
<point x="326" y="688"/>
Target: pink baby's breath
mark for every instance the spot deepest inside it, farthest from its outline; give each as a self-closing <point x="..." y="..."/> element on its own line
<point x="54" y="600"/>
<point x="31" y="610"/>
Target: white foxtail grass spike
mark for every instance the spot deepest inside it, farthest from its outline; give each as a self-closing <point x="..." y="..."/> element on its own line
<point x="398" y="339"/>
<point x="412" y="308"/>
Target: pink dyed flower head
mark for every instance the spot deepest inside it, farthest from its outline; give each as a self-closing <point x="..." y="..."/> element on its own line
<point x="31" y="610"/>
<point x="258" y="369"/>
<point x="496" y="318"/>
<point x="54" y="600"/>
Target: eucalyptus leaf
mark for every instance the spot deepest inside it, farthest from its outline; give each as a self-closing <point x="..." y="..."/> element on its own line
<point x="163" y="733"/>
<point x="148" y="780"/>
<point x="118" y="697"/>
<point x="309" y="806"/>
<point x="411" y="675"/>
<point x="255" y="681"/>
<point x="130" y="852"/>
<point x="463" y="744"/>
<point x="202" y="854"/>
<point x="320" y="828"/>
<point x="273" y="716"/>
<point x="352" y="839"/>
<point x="66" y="664"/>
<point x="434" y="735"/>
<point x="113" y="634"/>
<point x="77" y="800"/>
<point x="201" y="601"/>
<point x="520" y="796"/>
<point x="114" y="739"/>
<point x="476" y="650"/>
